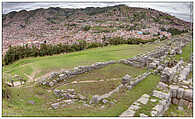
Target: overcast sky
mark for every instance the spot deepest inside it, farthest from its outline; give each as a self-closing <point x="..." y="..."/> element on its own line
<point x="180" y="10"/>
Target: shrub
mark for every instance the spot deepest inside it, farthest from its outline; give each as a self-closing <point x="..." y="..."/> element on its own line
<point x="86" y="28"/>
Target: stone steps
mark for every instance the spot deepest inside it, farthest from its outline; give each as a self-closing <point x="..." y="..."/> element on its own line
<point x="130" y="112"/>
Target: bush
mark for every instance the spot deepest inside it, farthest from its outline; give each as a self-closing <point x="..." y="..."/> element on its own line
<point x="94" y="45"/>
<point x="175" y="31"/>
<point x="86" y="28"/>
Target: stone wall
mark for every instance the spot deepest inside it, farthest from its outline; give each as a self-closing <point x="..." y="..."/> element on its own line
<point x="56" y="77"/>
<point x="168" y="74"/>
<point x="185" y="72"/>
<point x="151" y="59"/>
<point x="129" y="83"/>
<point x="163" y="104"/>
<point x="181" y="96"/>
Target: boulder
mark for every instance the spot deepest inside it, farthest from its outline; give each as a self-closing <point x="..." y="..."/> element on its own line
<point x="188" y="95"/>
<point x="129" y="87"/>
<point x="154" y="113"/>
<point x="152" y="65"/>
<point x="62" y="76"/>
<point x="126" y="79"/>
<point x="51" y="84"/>
<point x="143" y="115"/>
<point x="158" y="108"/>
<point x="160" y="68"/>
<point x="160" y="94"/>
<point x="186" y="103"/>
<point x="104" y="101"/>
<point x="180" y="108"/>
<point x="81" y="97"/>
<point x="44" y="82"/>
<point x="143" y="99"/>
<point x="167" y="75"/>
<point x="180" y="92"/>
<point x="72" y="91"/>
<point x="55" y="105"/>
<point x="68" y="101"/>
<point x="181" y="102"/>
<point x="95" y="99"/>
<point x="153" y="100"/>
<point x="163" y="86"/>
<point x="173" y="90"/>
<point x="57" y="93"/>
<point x="175" y="101"/>
<point x="172" y="52"/>
<point x="53" y="75"/>
<point x="134" y="107"/>
<point x="190" y="105"/>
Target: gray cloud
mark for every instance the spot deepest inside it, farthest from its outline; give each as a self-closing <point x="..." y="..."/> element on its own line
<point x="180" y="10"/>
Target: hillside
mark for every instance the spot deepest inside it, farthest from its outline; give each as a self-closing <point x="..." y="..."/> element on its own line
<point x="63" y="25"/>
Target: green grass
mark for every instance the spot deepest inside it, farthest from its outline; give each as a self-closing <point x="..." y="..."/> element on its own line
<point x="146" y="109"/>
<point x="186" y="53"/>
<point x="93" y="88"/>
<point x="44" y="65"/>
<point x="112" y="71"/>
<point x="190" y="75"/>
<point x="109" y="72"/>
<point x="18" y="104"/>
<point x="174" y="112"/>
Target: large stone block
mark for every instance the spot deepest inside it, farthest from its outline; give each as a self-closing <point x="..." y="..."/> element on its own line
<point x="55" y="105"/>
<point x="163" y="86"/>
<point x="190" y="105"/>
<point x="95" y="99"/>
<point x="158" y="108"/>
<point x="51" y="83"/>
<point x="186" y="103"/>
<point x="62" y="76"/>
<point x="126" y="79"/>
<point x="180" y="92"/>
<point x="181" y="102"/>
<point x="188" y="94"/>
<point x="173" y="90"/>
<point x="152" y="65"/>
<point x="160" y="94"/>
<point x="175" y="101"/>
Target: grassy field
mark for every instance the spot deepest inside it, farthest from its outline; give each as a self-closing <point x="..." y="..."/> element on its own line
<point x="93" y="88"/>
<point x="186" y="53"/>
<point x="174" y="112"/>
<point x="111" y="71"/>
<point x="108" y="73"/>
<point x="39" y="66"/>
<point x="147" y="108"/>
<point x="18" y="104"/>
